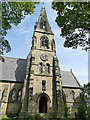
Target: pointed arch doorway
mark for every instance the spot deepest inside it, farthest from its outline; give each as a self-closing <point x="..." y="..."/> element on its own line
<point x="43" y="105"/>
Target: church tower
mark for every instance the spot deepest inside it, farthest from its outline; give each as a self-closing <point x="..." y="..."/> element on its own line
<point x="42" y="90"/>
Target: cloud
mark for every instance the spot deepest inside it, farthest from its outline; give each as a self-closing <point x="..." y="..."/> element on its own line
<point x="22" y="30"/>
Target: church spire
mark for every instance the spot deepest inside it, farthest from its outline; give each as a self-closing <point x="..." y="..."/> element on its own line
<point x="43" y="25"/>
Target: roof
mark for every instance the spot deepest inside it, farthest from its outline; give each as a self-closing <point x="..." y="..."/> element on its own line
<point x="14" y="69"/>
<point x="68" y="79"/>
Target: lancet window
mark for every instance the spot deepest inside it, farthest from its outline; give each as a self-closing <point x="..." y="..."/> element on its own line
<point x="13" y="94"/>
<point x="40" y="67"/>
<point x="73" y="97"/>
<point x="19" y="95"/>
<point x="47" y="68"/>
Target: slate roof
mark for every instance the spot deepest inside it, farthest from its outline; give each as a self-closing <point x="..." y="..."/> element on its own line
<point x="68" y="79"/>
<point x="14" y="69"/>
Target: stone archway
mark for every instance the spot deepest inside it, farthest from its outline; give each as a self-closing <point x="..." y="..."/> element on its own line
<point x="43" y="100"/>
<point x="43" y="105"/>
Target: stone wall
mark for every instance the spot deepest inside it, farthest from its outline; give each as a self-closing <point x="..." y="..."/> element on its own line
<point x="73" y="103"/>
<point x="6" y="104"/>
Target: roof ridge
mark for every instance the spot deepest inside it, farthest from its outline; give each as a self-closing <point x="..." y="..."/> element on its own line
<point x="13" y="57"/>
<point x="64" y="71"/>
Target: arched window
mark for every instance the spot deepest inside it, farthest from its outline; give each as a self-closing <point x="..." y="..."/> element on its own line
<point x="47" y="68"/>
<point x="40" y="68"/>
<point x="19" y="95"/>
<point x="13" y="94"/>
<point x="44" y="42"/>
<point x="73" y="95"/>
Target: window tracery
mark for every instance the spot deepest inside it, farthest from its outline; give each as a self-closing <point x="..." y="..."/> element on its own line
<point x="44" y="42"/>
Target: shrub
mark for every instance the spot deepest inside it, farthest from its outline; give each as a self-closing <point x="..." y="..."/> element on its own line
<point x="4" y="117"/>
<point x="81" y="113"/>
<point x="31" y="117"/>
<point x="66" y="112"/>
<point x="38" y="116"/>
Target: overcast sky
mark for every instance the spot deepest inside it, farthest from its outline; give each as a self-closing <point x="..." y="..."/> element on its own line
<point x="20" y="38"/>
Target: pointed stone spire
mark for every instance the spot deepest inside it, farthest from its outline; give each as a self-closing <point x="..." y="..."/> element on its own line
<point x="43" y="11"/>
<point x="43" y="25"/>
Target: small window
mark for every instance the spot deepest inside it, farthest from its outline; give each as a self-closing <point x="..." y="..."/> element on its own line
<point x="40" y="68"/>
<point x="43" y="85"/>
<point x="73" y="95"/>
<point x="30" y="93"/>
<point x="19" y="95"/>
<point x="13" y="94"/>
<point x="47" y="68"/>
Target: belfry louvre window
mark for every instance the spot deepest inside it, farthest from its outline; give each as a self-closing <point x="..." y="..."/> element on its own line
<point x="13" y="94"/>
<point x="40" y="67"/>
<point x="44" y="42"/>
<point x="47" y="68"/>
<point x="19" y="95"/>
<point x="44" y="25"/>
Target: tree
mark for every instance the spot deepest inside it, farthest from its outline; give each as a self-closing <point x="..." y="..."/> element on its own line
<point x="12" y="13"/>
<point x="86" y="92"/>
<point x="73" y="19"/>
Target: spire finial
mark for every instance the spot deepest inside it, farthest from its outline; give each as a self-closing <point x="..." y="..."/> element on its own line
<point x="43" y="6"/>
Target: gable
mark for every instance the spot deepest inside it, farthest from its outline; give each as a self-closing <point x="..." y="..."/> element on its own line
<point x="69" y="80"/>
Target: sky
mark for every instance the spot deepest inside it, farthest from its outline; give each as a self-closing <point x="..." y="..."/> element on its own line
<point x="20" y="39"/>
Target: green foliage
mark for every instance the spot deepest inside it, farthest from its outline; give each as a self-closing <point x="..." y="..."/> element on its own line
<point x="38" y="116"/>
<point x="31" y="117"/>
<point x="86" y="92"/>
<point x="66" y="112"/>
<point x="81" y="113"/>
<point x="88" y="110"/>
<point x="4" y="117"/>
<point x="73" y="19"/>
<point x="67" y="119"/>
<point x="12" y="13"/>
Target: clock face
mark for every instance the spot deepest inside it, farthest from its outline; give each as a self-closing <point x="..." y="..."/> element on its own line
<point x="44" y="57"/>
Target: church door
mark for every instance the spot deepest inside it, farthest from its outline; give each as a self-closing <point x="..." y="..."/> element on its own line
<point x="43" y="105"/>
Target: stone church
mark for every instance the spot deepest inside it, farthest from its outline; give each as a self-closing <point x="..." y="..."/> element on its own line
<point x="36" y="85"/>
